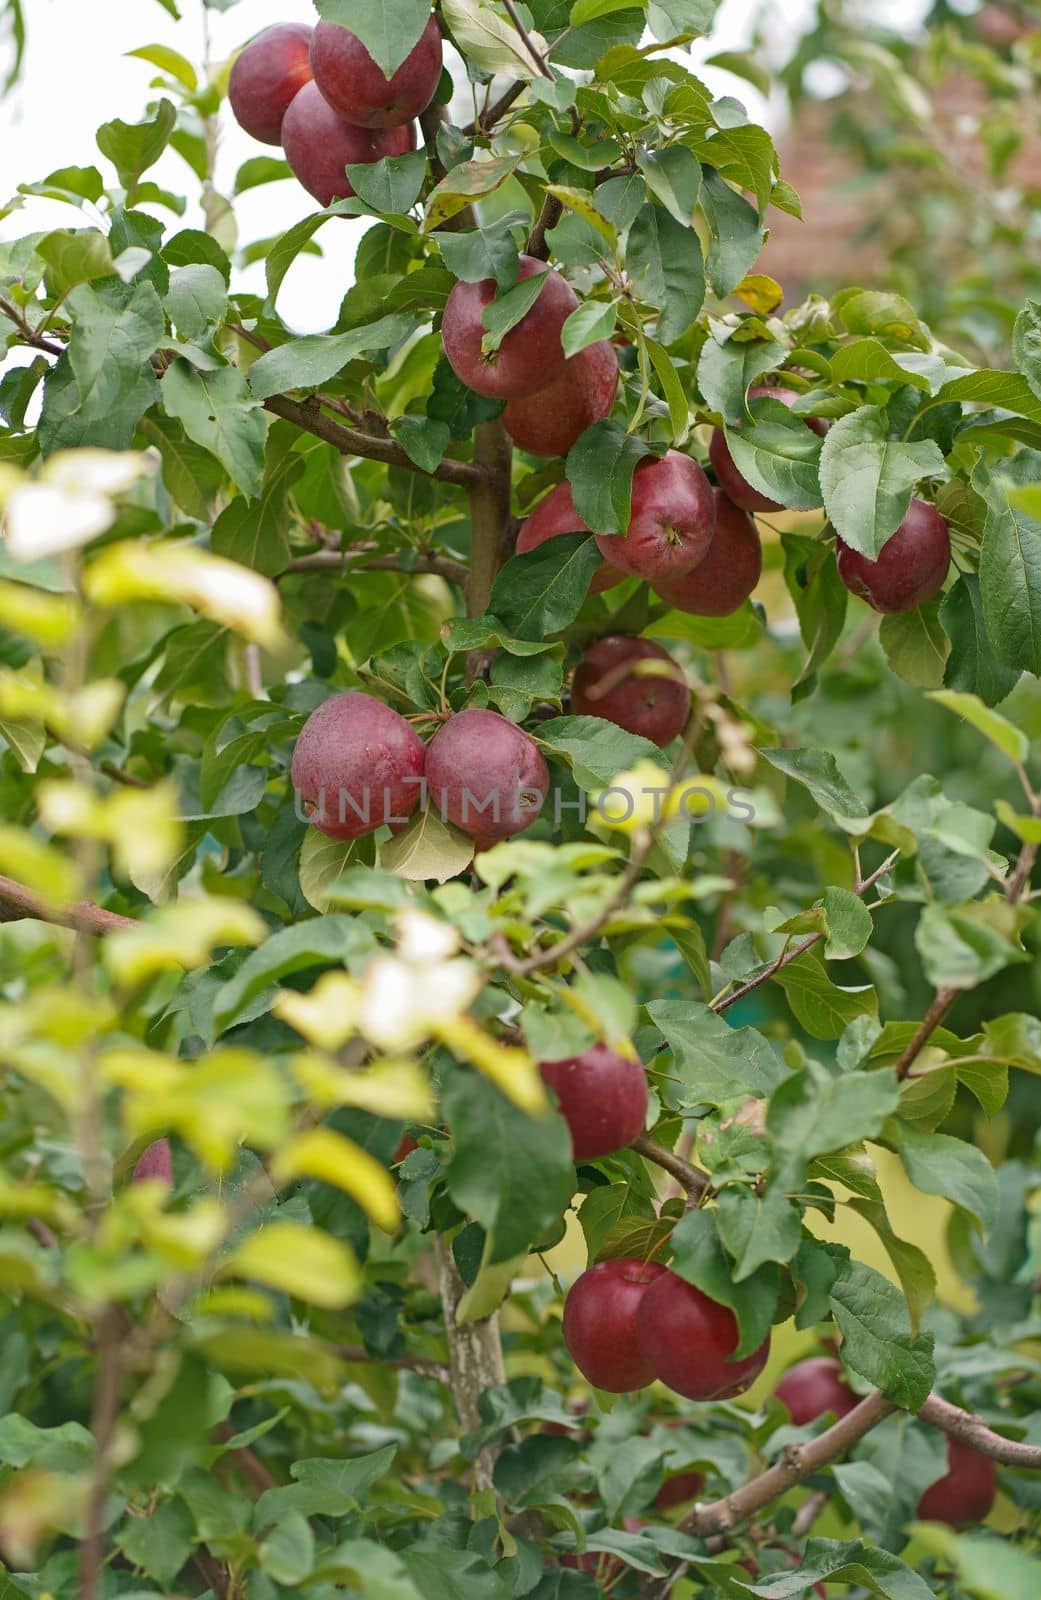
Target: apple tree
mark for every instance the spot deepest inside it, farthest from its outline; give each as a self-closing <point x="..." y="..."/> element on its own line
<point x="518" y="856"/>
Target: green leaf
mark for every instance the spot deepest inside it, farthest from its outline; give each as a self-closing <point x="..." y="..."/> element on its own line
<point x="325" y="1488"/>
<point x="673" y="176"/>
<point x="778" y="455"/>
<point x="287" y="247"/>
<point x="217" y="410"/>
<point x="592" y="321"/>
<point x="916" y="645"/>
<point x="737" y="236"/>
<point x="470" y="180"/>
<point x="160" y="1544"/>
<point x="192" y="476"/>
<point x="972" y="666"/>
<point x="597" y="751"/>
<point x="512" y="1173"/>
<point x="849" y="924"/>
<point x="308" y="362"/>
<point x="389" y="29"/>
<point x="962" y="946"/>
<point x="1010" y="578"/>
<point x="255" y="533"/>
<point x="490" y="40"/>
<point x="988" y="1567"/>
<point x="715" y="1063"/>
<point x="727" y="367"/>
<point x="392" y="186"/>
<point x="822" y="1007"/>
<point x="867" y="479"/>
<point x="877" y="1342"/>
<point x="813" y="1114"/>
<point x="672" y="389"/>
<point x="817" y="771"/>
<point x="507" y="309"/>
<point x="197" y="299"/>
<point x="854" y="1562"/>
<point x="756" y="1229"/>
<point x="1007" y="738"/>
<point x="75" y="256"/>
<point x="1026" y="345"/>
<point x="868" y="361"/>
<point x="134" y="147"/>
<point x="664" y="261"/>
<point x="912" y="1265"/>
<point x="600" y="467"/>
<point x="428" y="848"/>
<point x="543" y="591"/>
<point x="890" y="316"/>
<point x="287" y="1552"/>
<point x="938" y="1164"/>
<point x="322" y="941"/>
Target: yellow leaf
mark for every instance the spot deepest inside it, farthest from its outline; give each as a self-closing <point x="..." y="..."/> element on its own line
<point x="180" y="935"/>
<point x="511" y="1070"/>
<point x="398" y="1089"/>
<point x="49" y="619"/>
<point x="328" y="1016"/>
<point x="38" y="866"/>
<point x="222" y="590"/>
<point x="763" y="294"/>
<point x="324" y="1154"/>
<point x="300" y="1261"/>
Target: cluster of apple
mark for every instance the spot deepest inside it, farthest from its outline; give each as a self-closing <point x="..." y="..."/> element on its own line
<point x="318" y="93"/>
<point x="359" y="765"/>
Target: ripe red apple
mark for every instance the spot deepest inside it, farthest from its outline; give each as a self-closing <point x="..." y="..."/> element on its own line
<point x="356" y="88"/>
<point x="815" y="1386"/>
<point x="155" y="1164"/>
<point x="602" y="1097"/>
<point x="554" y="515"/>
<point x="966" y="1493"/>
<point x="911" y="566"/>
<point x="679" y="1490"/>
<point x="688" y="1339"/>
<point x="405" y="1148"/>
<point x="600" y="1316"/>
<point x="357" y="764"/>
<point x="728" y="574"/>
<point x="531" y="354"/>
<point x="605" y="685"/>
<point x="486" y="775"/>
<point x="319" y="145"/>
<point x="730" y="479"/>
<point x="671" y="523"/>
<point x="548" y="422"/>
<point x="267" y="76"/>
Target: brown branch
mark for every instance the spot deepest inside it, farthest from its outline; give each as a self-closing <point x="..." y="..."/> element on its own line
<point x="970" y="1429"/>
<point x="793" y="952"/>
<point x="808" y="1512"/>
<point x="489" y="513"/>
<point x="487" y="120"/>
<point x="36" y="341"/>
<point x="529" y="45"/>
<point x="475" y="1356"/>
<point x="249" y="1462"/>
<point x="799" y="1461"/>
<point x="550" y="215"/>
<point x="342" y="560"/>
<point x="309" y="416"/>
<point x="421" y="1364"/>
<point x="942" y="1003"/>
<point x="110" y="769"/>
<point x="18" y="902"/>
<point x="104" y="1414"/>
<point x="686" y="1174"/>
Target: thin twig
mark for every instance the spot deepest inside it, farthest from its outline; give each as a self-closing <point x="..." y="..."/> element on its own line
<point x="793" y="952"/>
<point x="808" y="1512"/>
<point x="971" y="1429"/>
<point x="104" y="1414"/>
<point x="529" y="44"/>
<point x="549" y="216"/>
<point x="487" y="120"/>
<point x="942" y="1003"/>
<point x="342" y="560"/>
<point x="420" y="1364"/>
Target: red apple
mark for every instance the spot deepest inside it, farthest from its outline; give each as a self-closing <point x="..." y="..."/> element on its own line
<point x="688" y="1341"/>
<point x="531" y="354"/>
<point x="966" y="1493"/>
<point x="730" y="479"/>
<point x="656" y="707"/>
<point x="554" y="515"/>
<point x="548" y="422"/>
<point x="155" y="1164"/>
<point x="813" y="1387"/>
<point x="677" y="1491"/>
<point x="405" y="1148"/>
<point x="357" y="764"/>
<point x="600" y="1316"/>
<point x="267" y="76"/>
<point x="602" y="1097"/>
<point x="486" y="775"/>
<point x="671" y="523"/>
<point x="728" y="574"/>
<point x="356" y="88"/>
<point x="319" y="145"/>
<point x="910" y="568"/>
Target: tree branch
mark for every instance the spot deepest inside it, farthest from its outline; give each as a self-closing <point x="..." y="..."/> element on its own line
<point x="797" y="1463"/>
<point x="309" y="416"/>
<point x="18" y="902"/>
<point x="104" y="1414"/>
<point x="420" y="1364"/>
<point x="250" y="1463"/>
<point x="342" y="560"/>
<point x="475" y="1356"/>
<point x="526" y="38"/>
<point x="686" y="1174"/>
<point x="550" y="215"/>
<point x="489" y="513"/>
<point x="486" y="122"/>
<point x="970" y="1429"/>
<point x="795" y="951"/>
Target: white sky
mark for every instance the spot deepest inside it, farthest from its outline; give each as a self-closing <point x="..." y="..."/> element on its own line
<point x="76" y="77"/>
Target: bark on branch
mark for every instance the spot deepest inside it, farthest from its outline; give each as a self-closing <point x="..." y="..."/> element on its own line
<point x="17" y="903"/>
<point x="312" y="419"/>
